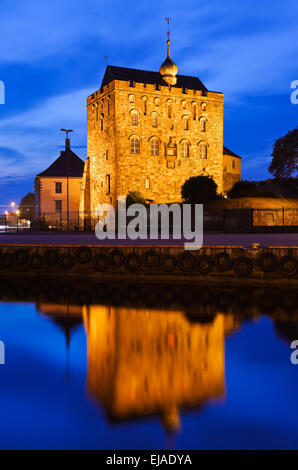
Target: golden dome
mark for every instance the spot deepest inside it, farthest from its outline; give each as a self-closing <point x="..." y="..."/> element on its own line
<point x="169" y="70"/>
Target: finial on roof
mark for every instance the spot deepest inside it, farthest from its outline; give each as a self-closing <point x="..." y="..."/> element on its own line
<point x="169" y="70"/>
<point x="67" y="140"/>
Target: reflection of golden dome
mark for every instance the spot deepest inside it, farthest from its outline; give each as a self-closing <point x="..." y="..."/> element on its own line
<point x="169" y="70"/>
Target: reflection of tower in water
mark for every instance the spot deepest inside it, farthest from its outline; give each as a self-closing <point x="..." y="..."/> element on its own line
<point x="67" y="317"/>
<point x="153" y="362"/>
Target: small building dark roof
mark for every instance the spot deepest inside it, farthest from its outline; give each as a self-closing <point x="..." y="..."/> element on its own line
<point x="226" y="151"/>
<point x="67" y="160"/>
<point x="145" y="76"/>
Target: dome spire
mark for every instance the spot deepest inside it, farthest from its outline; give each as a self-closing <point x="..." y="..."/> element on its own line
<point x="169" y="70"/>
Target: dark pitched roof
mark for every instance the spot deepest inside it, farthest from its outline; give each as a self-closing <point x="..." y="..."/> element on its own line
<point x="59" y="167"/>
<point x="145" y="76"/>
<point x="226" y="151"/>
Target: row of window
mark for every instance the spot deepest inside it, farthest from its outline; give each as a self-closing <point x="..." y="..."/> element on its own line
<point x="99" y="106"/>
<point x="135" y="121"/>
<point x="157" y="102"/>
<point x="135" y="147"/>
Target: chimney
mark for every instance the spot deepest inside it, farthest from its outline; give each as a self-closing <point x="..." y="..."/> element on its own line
<point x="67" y="144"/>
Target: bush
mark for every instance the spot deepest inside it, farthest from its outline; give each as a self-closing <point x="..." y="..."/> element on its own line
<point x="135" y="197"/>
<point x="244" y="189"/>
<point x="199" y="190"/>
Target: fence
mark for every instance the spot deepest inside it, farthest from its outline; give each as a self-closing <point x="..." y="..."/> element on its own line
<point x="72" y="222"/>
<point x="228" y="221"/>
<point x="13" y="223"/>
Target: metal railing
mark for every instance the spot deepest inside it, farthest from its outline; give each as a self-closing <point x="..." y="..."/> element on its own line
<point x="229" y="220"/>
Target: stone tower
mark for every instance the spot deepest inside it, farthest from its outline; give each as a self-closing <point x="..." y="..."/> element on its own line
<point x="150" y="132"/>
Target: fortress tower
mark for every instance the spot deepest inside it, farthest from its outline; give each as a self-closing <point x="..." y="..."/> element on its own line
<point x="150" y="132"/>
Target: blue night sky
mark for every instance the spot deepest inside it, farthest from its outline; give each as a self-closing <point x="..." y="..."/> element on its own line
<point x="52" y="58"/>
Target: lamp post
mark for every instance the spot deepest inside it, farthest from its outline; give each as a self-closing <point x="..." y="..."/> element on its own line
<point x="6" y="214"/>
<point x="67" y="147"/>
<point x="17" y="214"/>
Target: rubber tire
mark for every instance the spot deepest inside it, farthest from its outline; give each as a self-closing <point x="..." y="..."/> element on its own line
<point x="191" y="259"/>
<point x="227" y="266"/>
<point x="249" y="266"/>
<point x="83" y="254"/>
<point x="285" y="260"/>
<point x="208" y="260"/>
<point x="138" y="260"/>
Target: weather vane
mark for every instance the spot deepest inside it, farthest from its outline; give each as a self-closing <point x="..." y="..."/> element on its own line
<point x="67" y="131"/>
<point x="168" y="21"/>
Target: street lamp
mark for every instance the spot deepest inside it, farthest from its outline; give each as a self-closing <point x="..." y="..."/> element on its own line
<point x="17" y="214"/>
<point x="67" y="147"/>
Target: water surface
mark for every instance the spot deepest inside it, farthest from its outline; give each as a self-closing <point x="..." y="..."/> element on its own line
<point x="99" y="366"/>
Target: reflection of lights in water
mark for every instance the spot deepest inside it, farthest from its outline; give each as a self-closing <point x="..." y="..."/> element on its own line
<point x="153" y="362"/>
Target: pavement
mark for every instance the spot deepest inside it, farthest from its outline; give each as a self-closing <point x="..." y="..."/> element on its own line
<point x="210" y="239"/>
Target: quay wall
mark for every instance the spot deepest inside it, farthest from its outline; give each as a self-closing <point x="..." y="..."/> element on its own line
<point x="214" y="263"/>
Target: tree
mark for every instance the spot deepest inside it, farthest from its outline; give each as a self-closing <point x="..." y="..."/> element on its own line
<point x="285" y="155"/>
<point x="135" y="197"/>
<point x="27" y="207"/>
<point x="199" y="190"/>
<point x="244" y="189"/>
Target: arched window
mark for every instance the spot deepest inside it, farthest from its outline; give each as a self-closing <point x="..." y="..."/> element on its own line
<point x="183" y="104"/>
<point x="154" y="119"/>
<point x="194" y="111"/>
<point x="170" y="108"/>
<point x="203" y="150"/>
<point x="154" y="146"/>
<point x="134" y="118"/>
<point x="185" y="123"/>
<point x="233" y="165"/>
<point x="101" y="121"/>
<point x="157" y="101"/>
<point x="109" y="106"/>
<point x="131" y="99"/>
<point x="135" y="145"/>
<point x="203" y="124"/>
<point x="147" y="183"/>
<point x="203" y="106"/>
<point x="185" y="149"/>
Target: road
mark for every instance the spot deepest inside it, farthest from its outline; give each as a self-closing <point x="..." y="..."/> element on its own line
<point x="246" y="239"/>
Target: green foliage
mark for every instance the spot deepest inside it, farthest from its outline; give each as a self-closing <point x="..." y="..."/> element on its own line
<point x="135" y="197"/>
<point x="199" y="190"/>
<point x="244" y="189"/>
<point x="285" y="155"/>
<point x="273" y="188"/>
<point x="27" y="207"/>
